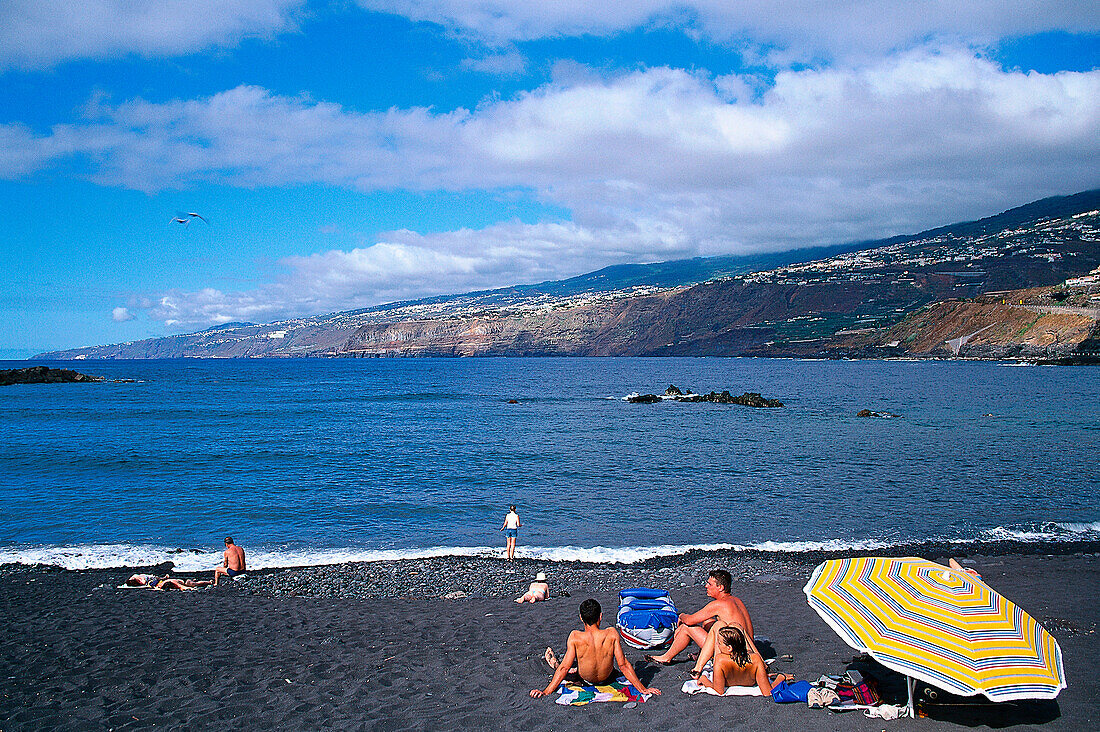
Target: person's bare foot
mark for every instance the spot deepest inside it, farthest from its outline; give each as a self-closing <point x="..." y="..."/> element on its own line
<point x="551" y="659"/>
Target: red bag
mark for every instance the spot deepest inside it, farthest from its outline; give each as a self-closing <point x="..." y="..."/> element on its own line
<point x="862" y="693"/>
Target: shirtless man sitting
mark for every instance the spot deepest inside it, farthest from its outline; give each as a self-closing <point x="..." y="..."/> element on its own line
<point x="723" y="608"/>
<point x="232" y="561"/>
<point x="592" y="654"/>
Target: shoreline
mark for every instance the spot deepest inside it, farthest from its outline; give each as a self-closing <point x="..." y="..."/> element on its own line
<point x="373" y="646"/>
<point x="817" y="552"/>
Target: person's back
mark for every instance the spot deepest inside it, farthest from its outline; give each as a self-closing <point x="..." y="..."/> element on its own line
<point x="595" y="653"/>
<point x="232" y="561"/>
<point x="592" y="654"/>
<point x="737" y="663"/>
<point x="728" y="672"/>
<point x="234" y="558"/>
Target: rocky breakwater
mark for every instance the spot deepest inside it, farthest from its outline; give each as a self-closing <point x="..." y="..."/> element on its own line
<point x="673" y="394"/>
<point x="44" y="375"/>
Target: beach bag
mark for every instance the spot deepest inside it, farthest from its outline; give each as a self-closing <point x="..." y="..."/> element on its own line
<point x="862" y="693"/>
<point x="784" y="693"/>
<point x="647" y="618"/>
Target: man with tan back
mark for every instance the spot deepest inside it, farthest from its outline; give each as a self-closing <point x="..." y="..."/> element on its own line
<point x="232" y="561"/>
<point x="723" y="608"/>
<point x="591" y="654"/>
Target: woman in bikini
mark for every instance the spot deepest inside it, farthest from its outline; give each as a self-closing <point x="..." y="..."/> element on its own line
<point x="737" y="663"/>
<point x="153" y="582"/>
<point x="538" y="591"/>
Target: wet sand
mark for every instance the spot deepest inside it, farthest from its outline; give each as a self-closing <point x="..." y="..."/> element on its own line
<point x="76" y="653"/>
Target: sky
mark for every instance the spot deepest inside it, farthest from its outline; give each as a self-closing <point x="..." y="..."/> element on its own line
<point x="346" y="153"/>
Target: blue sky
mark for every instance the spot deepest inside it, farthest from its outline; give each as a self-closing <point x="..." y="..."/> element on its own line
<point x="348" y="153"/>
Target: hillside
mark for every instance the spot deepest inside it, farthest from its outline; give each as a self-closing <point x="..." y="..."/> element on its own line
<point x="899" y="296"/>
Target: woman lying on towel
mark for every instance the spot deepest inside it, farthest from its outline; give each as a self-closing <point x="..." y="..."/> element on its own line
<point x="736" y="663"/>
<point x="154" y="582"/>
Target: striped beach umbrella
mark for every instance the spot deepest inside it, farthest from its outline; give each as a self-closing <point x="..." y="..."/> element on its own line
<point x="938" y="625"/>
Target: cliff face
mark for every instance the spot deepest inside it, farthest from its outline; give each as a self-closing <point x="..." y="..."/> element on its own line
<point x="723" y="318"/>
<point x="989" y="329"/>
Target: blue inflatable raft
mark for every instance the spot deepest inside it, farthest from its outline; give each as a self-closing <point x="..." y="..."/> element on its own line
<point x="647" y="618"/>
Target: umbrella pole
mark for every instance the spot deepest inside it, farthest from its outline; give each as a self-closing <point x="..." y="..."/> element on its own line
<point x="911" y="683"/>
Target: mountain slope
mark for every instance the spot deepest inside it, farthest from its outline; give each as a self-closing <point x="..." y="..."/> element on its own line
<point x="802" y="303"/>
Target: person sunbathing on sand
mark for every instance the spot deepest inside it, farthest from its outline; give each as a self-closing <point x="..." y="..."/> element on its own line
<point x="171" y="583"/>
<point x="959" y="568"/>
<point x="144" y="580"/>
<point x="591" y="655"/>
<point x="154" y="582"/>
<point x="723" y="608"/>
<point x="537" y="592"/>
<point x="737" y="663"/>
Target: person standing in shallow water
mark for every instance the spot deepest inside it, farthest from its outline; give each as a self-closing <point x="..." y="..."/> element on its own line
<point x="511" y="531"/>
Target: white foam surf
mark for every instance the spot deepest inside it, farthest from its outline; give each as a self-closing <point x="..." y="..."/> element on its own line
<point x="106" y="556"/>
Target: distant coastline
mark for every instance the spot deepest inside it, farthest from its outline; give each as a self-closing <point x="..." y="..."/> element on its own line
<point x="1024" y="284"/>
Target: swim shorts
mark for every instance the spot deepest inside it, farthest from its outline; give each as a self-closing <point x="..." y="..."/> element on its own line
<point x="233" y="572"/>
<point x="511" y="533"/>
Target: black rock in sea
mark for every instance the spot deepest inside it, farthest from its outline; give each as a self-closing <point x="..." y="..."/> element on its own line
<point x="748" y="399"/>
<point x="44" y="375"/>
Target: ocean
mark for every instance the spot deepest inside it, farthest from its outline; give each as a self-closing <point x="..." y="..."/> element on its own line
<point x="310" y="461"/>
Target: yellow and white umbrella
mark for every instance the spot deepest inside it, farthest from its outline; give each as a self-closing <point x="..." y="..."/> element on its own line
<point x="939" y="625"/>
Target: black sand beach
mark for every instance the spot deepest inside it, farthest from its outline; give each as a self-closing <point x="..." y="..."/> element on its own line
<point x="376" y="647"/>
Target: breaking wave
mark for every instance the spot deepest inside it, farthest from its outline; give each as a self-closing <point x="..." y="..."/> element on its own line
<point x="104" y="556"/>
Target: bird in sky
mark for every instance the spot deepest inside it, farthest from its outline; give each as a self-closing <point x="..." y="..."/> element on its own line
<point x="187" y="218"/>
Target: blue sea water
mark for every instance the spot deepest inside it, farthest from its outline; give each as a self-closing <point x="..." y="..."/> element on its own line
<point x="328" y="460"/>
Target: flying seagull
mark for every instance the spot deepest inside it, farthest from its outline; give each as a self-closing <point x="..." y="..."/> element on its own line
<point x="186" y="219"/>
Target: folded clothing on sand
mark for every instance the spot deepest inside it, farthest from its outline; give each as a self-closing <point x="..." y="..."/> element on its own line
<point x="614" y="691"/>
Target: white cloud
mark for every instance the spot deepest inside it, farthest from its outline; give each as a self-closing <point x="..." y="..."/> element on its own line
<point x="654" y="164"/>
<point x="500" y="64"/>
<point x="407" y="265"/>
<point x="121" y="315"/>
<point x="807" y="25"/>
<point x="37" y="34"/>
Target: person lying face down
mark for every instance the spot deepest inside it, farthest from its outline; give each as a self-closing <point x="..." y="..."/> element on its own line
<point x="591" y="655"/>
<point x="737" y="663"/>
<point x="537" y="592"/>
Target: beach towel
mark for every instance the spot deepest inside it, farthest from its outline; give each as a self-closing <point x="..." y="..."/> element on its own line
<point x="619" y="690"/>
<point x="691" y="686"/>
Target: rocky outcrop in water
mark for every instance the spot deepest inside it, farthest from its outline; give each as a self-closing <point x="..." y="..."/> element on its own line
<point x="673" y="394"/>
<point x="44" y="375"/>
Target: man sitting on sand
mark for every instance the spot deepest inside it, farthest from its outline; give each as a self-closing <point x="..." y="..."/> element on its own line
<point x="724" y="607"/>
<point x="538" y="591"/>
<point x="591" y="656"/>
<point x="232" y="561"/>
